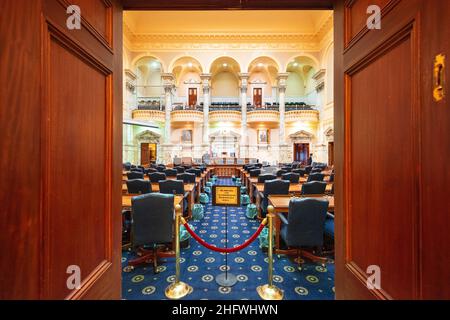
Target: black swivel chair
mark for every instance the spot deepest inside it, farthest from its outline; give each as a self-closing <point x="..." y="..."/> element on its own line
<point x="314" y="187"/>
<point x="135" y="175"/>
<point x="197" y="172"/>
<point x="287" y="169"/>
<point x="139" y="186"/>
<point x="157" y="176"/>
<point x="153" y="222"/>
<point x="304" y="226"/>
<point x="308" y="169"/>
<point x="265" y="177"/>
<point x="272" y="187"/>
<point x="175" y="187"/>
<point x="255" y="173"/>
<point x="301" y="172"/>
<point x="316" y="170"/>
<point x="316" y="177"/>
<point x="180" y="169"/>
<point x="161" y="168"/>
<point x="171" y="172"/>
<point x="281" y="172"/>
<point x="151" y="170"/>
<point x="292" y="177"/>
<point x="186" y="177"/>
<point x="137" y="170"/>
<point x="127" y="166"/>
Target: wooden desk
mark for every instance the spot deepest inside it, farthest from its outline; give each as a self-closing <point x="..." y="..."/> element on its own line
<point x="126" y="200"/>
<point x="294" y="189"/>
<point x="280" y="204"/>
<point x="188" y="187"/>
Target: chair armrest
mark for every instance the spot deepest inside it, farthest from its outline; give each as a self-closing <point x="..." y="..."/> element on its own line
<point x="283" y="218"/>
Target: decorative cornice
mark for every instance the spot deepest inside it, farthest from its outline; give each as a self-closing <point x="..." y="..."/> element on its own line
<point x="228" y="41"/>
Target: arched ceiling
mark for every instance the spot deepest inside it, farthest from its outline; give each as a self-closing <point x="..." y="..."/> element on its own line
<point x="224" y="64"/>
<point x="265" y="65"/>
<point x="185" y="65"/>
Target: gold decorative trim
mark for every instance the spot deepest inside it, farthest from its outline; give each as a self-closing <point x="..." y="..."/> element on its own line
<point x="148" y="115"/>
<point x="186" y="116"/>
<point x="302" y="115"/>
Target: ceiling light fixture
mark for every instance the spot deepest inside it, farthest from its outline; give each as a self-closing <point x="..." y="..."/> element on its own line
<point x="260" y="65"/>
<point x="190" y="64"/>
<point x="225" y="65"/>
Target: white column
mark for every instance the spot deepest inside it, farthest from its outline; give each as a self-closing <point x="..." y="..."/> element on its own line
<point x="167" y="151"/>
<point x="283" y="147"/>
<point x="244" y="134"/>
<point x="168" y="103"/>
<point x="206" y="77"/>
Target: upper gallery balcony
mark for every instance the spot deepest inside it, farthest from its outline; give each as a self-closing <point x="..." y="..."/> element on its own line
<point x="265" y="114"/>
<point x="182" y="113"/>
<point x="301" y="112"/>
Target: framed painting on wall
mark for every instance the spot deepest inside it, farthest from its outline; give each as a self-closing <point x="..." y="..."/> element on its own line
<point x="186" y="136"/>
<point x="263" y="136"/>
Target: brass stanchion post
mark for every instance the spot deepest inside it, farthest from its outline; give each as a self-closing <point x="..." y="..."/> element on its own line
<point x="177" y="289"/>
<point x="269" y="291"/>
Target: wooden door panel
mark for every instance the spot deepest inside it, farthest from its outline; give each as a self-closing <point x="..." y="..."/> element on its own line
<point x="382" y="209"/>
<point x="98" y="14"/>
<point x="379" y="220"/>
<point x="79" y="183"/>
<point x="82" y="151"/>
<point x="356" y="17"/>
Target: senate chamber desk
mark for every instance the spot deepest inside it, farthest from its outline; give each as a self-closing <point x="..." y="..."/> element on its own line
<point x="280" y="204"/>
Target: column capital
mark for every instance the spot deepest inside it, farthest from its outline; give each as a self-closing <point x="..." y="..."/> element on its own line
<point x="168" y="80"/>
<point x="282" y="78"/>
<point x="206" y="78"/>
<point x="243" y="77"/>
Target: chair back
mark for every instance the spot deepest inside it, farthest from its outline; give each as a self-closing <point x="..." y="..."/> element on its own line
<point x="180" y="169"/>
<point x="281" y="172"/>
<point x="265" y="177"/>
<point x="171" y="187"/>
<point x="306" y="222"/>
<point x="308" y="169"/>
<point x="171" y="172"/>
<point x="127" y="166"/>
<point x="316" y="170"/>
<point x="153" y="218"/>
<point x="276" y="187"/>
<point x="316" y="177"/>
<point x="151" y="170"/>
<point x="186" y="177"/>
<point x="255" y="172"/>
<point x="135" y="175"/>
<point x="197" y="172"/>
<point x="301" y="172"/>
<point x="160" y="168"/>
<point x="157" y="176"/>
<point x="139" y="186"/>
<point x="314" y="187"/>
<point x="292" y="177"/>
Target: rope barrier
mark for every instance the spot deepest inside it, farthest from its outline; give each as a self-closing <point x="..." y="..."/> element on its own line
<point x="223" y="250"/>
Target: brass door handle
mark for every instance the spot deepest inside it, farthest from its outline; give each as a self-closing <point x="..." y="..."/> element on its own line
<point x="439" y="78"/>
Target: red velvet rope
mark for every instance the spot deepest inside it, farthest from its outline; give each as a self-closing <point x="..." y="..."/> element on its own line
<point x="228" y="250"/>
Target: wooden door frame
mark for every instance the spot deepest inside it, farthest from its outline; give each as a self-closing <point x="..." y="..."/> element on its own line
<point x="339" y="94"/>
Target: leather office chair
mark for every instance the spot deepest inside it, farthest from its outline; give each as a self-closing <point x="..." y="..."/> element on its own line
<point x="180" y="169"/>
<point x="272" y="187"/>
<point x="139" y="186"/>
<point x="301" y="172"/>
<point x="314" y="187"/>
<point x="171" y="172"/>
<point x="287" y="169"/>
<point x="316" y="177"/>
<point x="281" y="172"/>
<point x="186" y="177"/>
<point x="316" y="170"/>
<point x="137" y="170"/>
<point x="135" y="175"/>
<point x="265" y="177"/>
<point x="197" y="172"/>
<point x="127" y="166"/>
<point x="153" y="224"/>
<point x="151" y="170"/>
<point x="258" y="165"/>
<point x="175" y="187"/>
<point x="292" y="177"/>
<point x="304" y="226"/>
<point x="308" y="169"/>
<point x="255" y="172"/>
<point x="157" y="176"/>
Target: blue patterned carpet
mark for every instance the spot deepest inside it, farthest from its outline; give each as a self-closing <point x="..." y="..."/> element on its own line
<point x="199" y="266"/>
